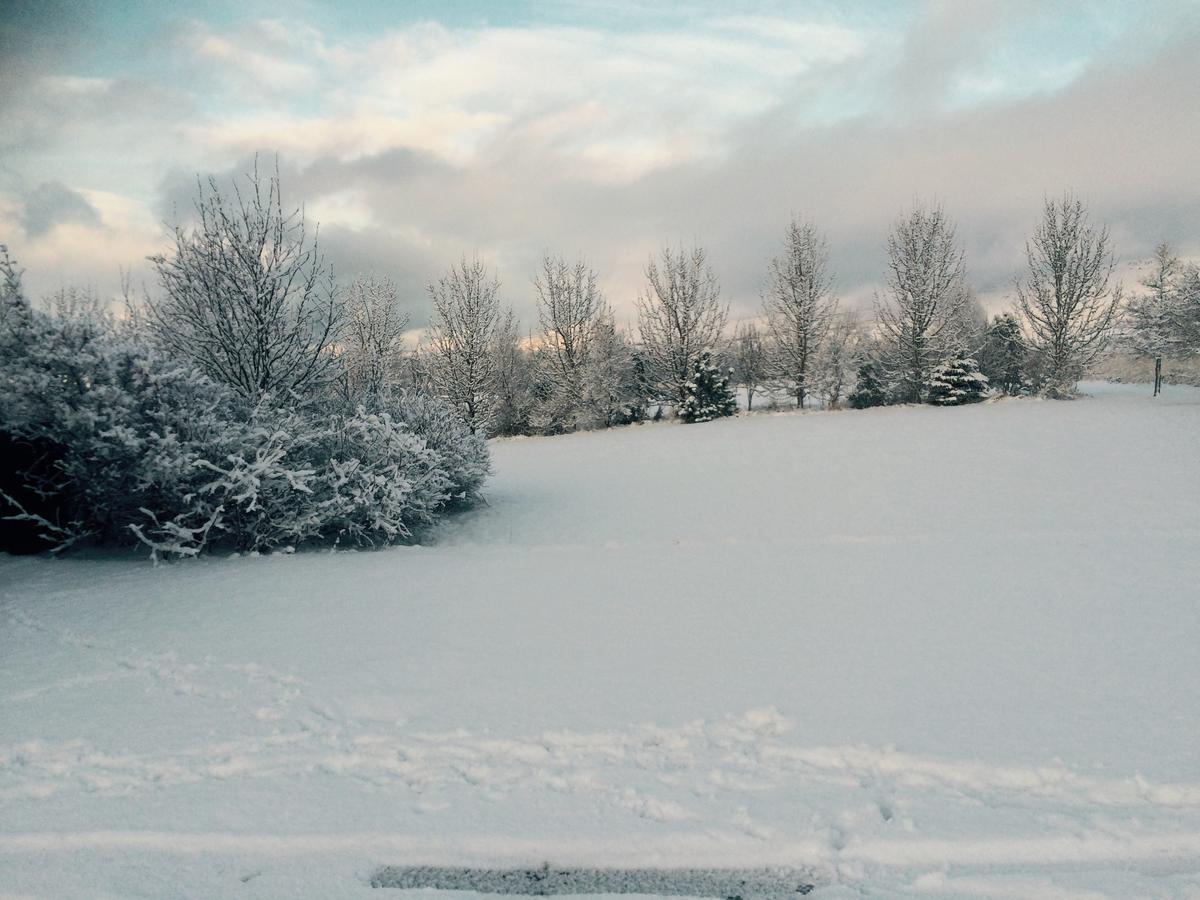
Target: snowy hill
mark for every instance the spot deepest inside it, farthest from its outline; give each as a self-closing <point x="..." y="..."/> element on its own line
<point x="912" y="650"/>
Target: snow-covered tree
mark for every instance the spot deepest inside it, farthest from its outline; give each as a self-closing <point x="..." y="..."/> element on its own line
<point x="12" y="295"/>
<point x="834" y="367"/>
<point x="973" y="323"/>
<point x="921" y="319"/>
<point x="870" y="389"/>
<point x="247" y="297"/>
<point x="957" y="382"/>
<point x="513" y="380"/>
<point x="1186" y="322"/>
<point x="461" y="341"/>
<point x="612" y="392"/>
<point x="750" y="360"/>
<point x="799" y="306"/>
<point x="1153" y="314"/>
<point x="680" y="317"/>
<point x="1065" y="296"/>
<point x="1002" y="357"/>
<point x="28" y="459"/>
<point x="371" y="338"/>
<point x="570" y="307"/>
<point x="707" y="394"/>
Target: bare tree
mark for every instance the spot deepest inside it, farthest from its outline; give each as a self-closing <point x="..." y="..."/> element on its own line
<point x="1185" y="312"/>
<point x="611" y="391"/>
<point x="461" y="341"/>
<point x="1065" y="297"/>
<point x="973" y="325"/>
<point x="680" y="316"/>
<point x="750" y="360"/>
<point x="799" y="306"/>
<point x="513" y="383"/>
<point x="569" y="308"/>
<point x="839" y="357"/>
<point x="413" y="374"/>
<point x="371" y="338"/>
<point x="1152" y="313"/>
<point x="247" y="297"/>
<point x="76" y="304"/>
<point x="921" y="320"/>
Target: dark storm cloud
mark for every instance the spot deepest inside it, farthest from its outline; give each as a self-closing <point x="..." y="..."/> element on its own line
<point x="52" y="203"/>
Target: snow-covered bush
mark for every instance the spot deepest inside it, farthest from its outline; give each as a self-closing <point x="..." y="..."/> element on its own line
<point x="707" y="395"/>
<point x="374" y="480"/>
<point x="119" y="429"/>
<point x="462" y="455"/>
<point x="112" y="441"/>
<point x="250" y="489"/>
<point x="957" y="382"/>
<point x="297" y="476"/>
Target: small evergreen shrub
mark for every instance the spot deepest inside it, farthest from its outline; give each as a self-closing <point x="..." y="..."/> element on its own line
<point x="870" y="388"/>
<point x="708" y="394"/>
<point x="1003" y="358"/>
<point x="957" y="382"/>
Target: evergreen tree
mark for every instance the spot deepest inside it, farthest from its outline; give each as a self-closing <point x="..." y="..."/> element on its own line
<point x="957" y="382"/>
<point x="1002" y="358"/>
<point x="869" y="390"/>
<point x="707" y="395"/>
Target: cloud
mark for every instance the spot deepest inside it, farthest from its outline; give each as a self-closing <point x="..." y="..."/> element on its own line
<point x="415" y="144"/>
<point x="119" y="234"/>
<point x="52" y="203"/>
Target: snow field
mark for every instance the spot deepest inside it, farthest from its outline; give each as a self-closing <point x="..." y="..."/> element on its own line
<point x="913" y="650"/>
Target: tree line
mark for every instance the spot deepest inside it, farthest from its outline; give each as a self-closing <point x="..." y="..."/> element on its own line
<point x="251" y="401"/>
<point x="272" y="318"/>
<point x="929" y="339"/>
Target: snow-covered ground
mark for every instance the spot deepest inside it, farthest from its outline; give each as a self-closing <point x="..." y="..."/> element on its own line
<point x="914" y="650"/>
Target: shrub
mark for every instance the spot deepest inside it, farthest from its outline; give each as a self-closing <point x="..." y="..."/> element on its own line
<point x="463" y="455"/>
<point x="869" y="389"/>
<point x="957" y="382"/>
<point x="707" y="395"/>
<point x="1003" y="357"/>
<point x="120" y="443"/>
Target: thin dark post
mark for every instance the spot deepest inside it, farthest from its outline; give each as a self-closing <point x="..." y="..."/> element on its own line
<point x="1157" y="375"/>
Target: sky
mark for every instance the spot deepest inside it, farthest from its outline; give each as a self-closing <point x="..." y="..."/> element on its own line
<point x="415" y="133"/>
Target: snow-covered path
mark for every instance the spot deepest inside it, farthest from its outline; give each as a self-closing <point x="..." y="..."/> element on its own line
<point x="912" y="650"/>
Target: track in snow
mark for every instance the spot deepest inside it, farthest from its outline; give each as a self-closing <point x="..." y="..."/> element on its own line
<point x="744" y="884"/>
